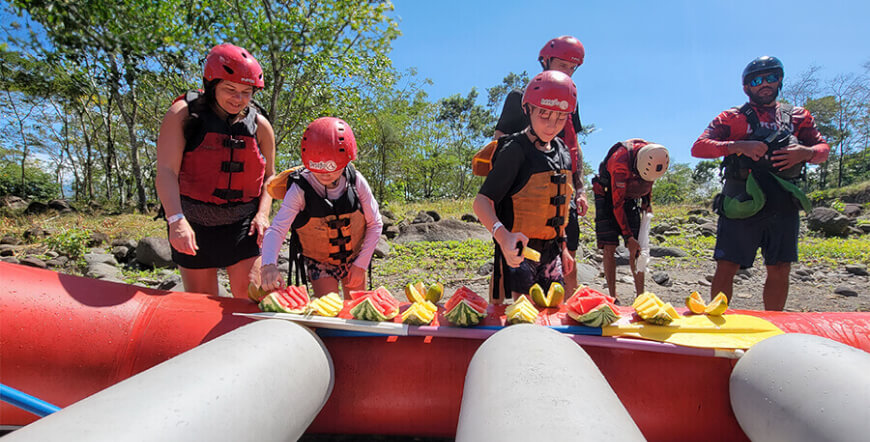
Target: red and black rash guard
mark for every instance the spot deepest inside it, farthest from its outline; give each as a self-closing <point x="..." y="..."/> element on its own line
<point x="731" y="125"/>
<point x="625" y="183"/>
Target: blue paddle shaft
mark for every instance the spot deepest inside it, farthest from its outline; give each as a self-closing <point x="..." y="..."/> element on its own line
<point x="26" y="402"/>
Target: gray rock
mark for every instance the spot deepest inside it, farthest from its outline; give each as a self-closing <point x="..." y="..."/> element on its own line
<point x="708" y="229"/>
<point x="626" y="279"/>
<point x="122" y="253"/>
<point x="61" y="206"/>
<point x="469" y="218"/>
<point x="704" y="283"/>
<point x="8" y="249"/>
<point x="485" y="269"/>
<point x="662" y="279"/>
<point x="659" y="252"/>
<point x="35" y="233"/>
<point x="701" y="212"/>
<point x="52" y="254"/>
<point x="154" y="252"/>
<point x="97" y="239"/>
<point x="857" y="269"/>
<point x="391" y="232"/>
<point x="387" y="213"/>
<point x="660" y="228"/>
<point x="621" y="256"/>
<point x="709" y="278"/>
<point x="14" y="202"/>
<point x="444" y="230"/>
<point x="828" y="221"/>
<point x="33" y="262"/>
<point x="35" y="208"/>
<point x="659" y="238"/>
<point x="10" y="259"/>
<point x="169" y="282"/>
<point x="383" y="249"/>
<point x="854" y="231"/>
<point x="101" y="270"/>
<point x="121" y="242"/>
<point x="423" y="217"/>
<point x="58" y="261"/>
<point x="852" y="210"/>
<point x="100" y="258"/>
<point x="284" y="267"/>
<point x="865" y="227"/>
<point x="845" y="291"/>
<point x="744" y="272"/>
<point x="11" y="240"/>
<point x="586" y="273"/>
<point x="803" y="272"/>
<point x="673" y="232"/>
<point x="435" y="215"/>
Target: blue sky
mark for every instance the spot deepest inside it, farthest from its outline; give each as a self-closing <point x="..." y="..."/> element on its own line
<point x="655" y="70"/>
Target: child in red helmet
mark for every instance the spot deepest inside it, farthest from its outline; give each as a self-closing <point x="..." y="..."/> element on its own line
<point x="331" y="211"/>
<point x="214" y="153"/>
<point x="525" y="198"/>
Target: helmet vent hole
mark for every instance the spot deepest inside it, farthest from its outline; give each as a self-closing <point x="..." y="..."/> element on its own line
<point x="341" y="149"/>
<point x="229" y="71"/>
<point x="659" y="168"/>
<point x="340" y="138"/>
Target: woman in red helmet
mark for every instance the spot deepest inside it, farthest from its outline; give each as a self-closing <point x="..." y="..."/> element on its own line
<point x="330" y="209"/>
<point x="525" y="198"/>
<point x="214" y="153"/>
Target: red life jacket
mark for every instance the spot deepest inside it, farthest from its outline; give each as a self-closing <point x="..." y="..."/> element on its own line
<point x="222" y="162"/>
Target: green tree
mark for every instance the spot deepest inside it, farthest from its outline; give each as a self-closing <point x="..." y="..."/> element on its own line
<point x="469" y="127"/>
<point x="675" y="186"/>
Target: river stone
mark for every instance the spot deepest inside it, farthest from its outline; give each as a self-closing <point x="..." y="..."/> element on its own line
<point x="662" y="279"/>
<point x="856" y="269"/>
<point x="154" y="252"/>
<point x="845" y="291"/>
<point x="97" y="258"/>
<point x="444" y="230"/>
<point x="101" y="270"/>
<point x="33" y="261"/>
<point x="659" y="252"/>
<point x="586" y="273"/>
<point x="383" y="249"/>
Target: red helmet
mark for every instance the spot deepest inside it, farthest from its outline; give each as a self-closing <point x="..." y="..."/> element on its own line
<point x="565" y="47"/>
<point x="551" y="90"/>
<point x="232" y="63"/>
<point x="327" y="145"/>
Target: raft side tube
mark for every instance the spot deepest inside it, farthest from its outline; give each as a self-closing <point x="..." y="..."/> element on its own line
<point x="528" y="382"/>
<point x="264" y="381"/>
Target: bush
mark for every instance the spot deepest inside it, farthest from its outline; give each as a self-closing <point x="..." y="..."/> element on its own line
<point x="39" y="184"/>
<point x="71" y="242"/>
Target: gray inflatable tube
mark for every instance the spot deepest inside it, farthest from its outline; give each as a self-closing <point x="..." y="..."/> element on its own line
<point x="797" y="387"/>
<point x="265" y="381"/>
<point x="530" y="383"/>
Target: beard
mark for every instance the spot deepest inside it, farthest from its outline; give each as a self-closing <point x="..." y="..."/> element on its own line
<point x="764" y="101"/>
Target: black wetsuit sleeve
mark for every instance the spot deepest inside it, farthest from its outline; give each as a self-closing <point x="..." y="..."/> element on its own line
<point x="512" y="119"/>
<point x="504" y="172"/>
<point x="575" y="120"/>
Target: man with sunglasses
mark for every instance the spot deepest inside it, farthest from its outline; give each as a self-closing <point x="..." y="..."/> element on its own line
<point x="765" y="145"/>
<point x="564" y="54"/>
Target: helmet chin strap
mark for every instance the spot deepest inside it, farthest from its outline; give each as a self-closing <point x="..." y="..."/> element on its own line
<point x="538" y="141"/>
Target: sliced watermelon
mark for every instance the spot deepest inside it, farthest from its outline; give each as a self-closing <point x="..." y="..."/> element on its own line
<point x="285" y="300"/>
<point x="377" y="305"/>
<point x="473" y="299"/>
<point x="592" y="308"/>
<point x="585" y="291"/>
<point x="463" y="314"/>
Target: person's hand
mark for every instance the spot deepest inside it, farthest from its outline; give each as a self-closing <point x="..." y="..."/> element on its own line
<point x="259" y="225"/>
<point x="508" y="242"/>
<point x="751" y="148"/>
<point x="582" y="204"/>
<point x="270" y="278"/>
<point x="567" y="261"/>
<point x="791" y="155"/>
<point x="356" y="278"/>
<point x="182" y="238"/>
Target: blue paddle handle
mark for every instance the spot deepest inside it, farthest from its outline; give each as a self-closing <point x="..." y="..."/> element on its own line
<point x="26" y="402"/>
<point x="569" y="329"/>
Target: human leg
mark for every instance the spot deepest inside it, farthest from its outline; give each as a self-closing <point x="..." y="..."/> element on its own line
<point x="572" y="232"/>
<point x="776" y="286"/>
<point x="240" y="276"/>
<point x="610" y="268"/>
<point x="723" y="279"/>
<point x="199" y="280"/>
<point x="324" y="286"/>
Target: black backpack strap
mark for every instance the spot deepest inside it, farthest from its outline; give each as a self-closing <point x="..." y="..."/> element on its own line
<point x="751" y="116"/>
<point x="784" y="114"/>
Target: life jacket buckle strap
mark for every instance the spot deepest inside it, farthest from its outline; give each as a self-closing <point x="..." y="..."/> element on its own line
<point x="559" y="178"/>
<point x="558" y="200"/>
<point x="228" y="194"/>
<point x="232" y="166"/>
<point x="556" y="221"/>
<point x="338" y="223"/>
<point x="234" y="143"/>
<point x="340" y="241"/>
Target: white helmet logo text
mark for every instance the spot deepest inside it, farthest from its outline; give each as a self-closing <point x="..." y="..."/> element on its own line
<point x="328" y="166"/>
<point x="554" y="102"/>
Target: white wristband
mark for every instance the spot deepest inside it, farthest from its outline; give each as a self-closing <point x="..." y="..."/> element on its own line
<point x="172" y="219"/>
<point x="496" y="226"/>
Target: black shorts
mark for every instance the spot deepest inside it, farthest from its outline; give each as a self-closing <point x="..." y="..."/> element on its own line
<point x="572" y="231"/>
<point x="607" y="230"/>
<point x="776" y="232"/>
<point x="220" y="246"/>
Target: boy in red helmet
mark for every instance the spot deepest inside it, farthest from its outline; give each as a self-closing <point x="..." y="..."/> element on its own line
<point x="524" y="200"/>
<point x="564" y="54"/>
<point x="214" y="153"/>
<point x="331" y="211"/>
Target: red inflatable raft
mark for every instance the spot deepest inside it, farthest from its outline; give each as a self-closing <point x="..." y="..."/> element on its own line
<point x="63" y="338"/>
